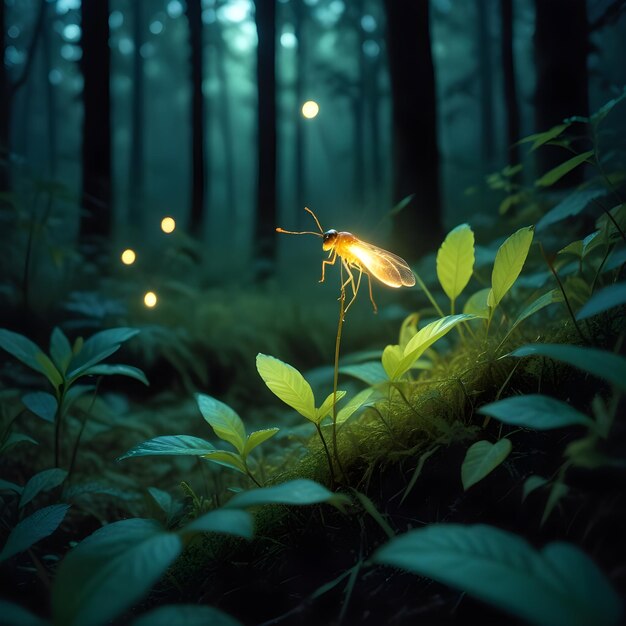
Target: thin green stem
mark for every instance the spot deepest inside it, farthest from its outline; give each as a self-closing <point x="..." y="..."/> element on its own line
<point x="251" y="477"/>
<point x="429" y="295"/>
<point x="328" y="457"/>
<point x="58" y="418"/>
<point x="342" y="302"/>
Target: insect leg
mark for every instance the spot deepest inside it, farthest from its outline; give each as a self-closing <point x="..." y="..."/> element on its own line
<point x="330" y="261"/>
<point x="355" y="286"/>
<point x="369" y="280"/>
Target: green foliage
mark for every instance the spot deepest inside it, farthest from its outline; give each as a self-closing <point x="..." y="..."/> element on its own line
<point x="43" y="481"/>
<point x="555" y="174"/>
<point x="455" y="262"/>
<point x="187" y="614"/>
<point x="481" y="459"/>
<point x="604" y="300"/>
<point x="559" y="584"/>
<point x="170" y="445"/>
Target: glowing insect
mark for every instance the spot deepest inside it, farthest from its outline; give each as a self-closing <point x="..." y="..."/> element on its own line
<point x="389" y="268"/>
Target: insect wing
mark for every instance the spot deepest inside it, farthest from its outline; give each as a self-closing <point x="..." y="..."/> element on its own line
<point x="389" y="268"/>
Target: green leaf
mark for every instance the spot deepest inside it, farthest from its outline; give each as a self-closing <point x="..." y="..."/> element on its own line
<point x="572" y="205"/>
<point x="531" y="484"/>
<point x="257" y="438"/>
<point x="29" y="353"/>
<point x="477" y="304"/>
<point x="392" y="356"/>
<point x="6" y="485"/>
<point x="555" y="174"/>
<point x="575" y="248"/>
<point x="187" y="614"/>
<point x="33" y="528"/>
<point x="539" y="139"/>
<point x="536" y="411"/>
<point x="425" y="338"/>
<point x="42" y="481"/>
<point x="357" y="402"/>
<point x="370" y="508"/>
<point x="536" y="305"/>
<point x="223" y="420"/>
<point x="288" y="384"/>
<point x="176" y="445"/>
<point x="455" y="261"/>
<point x="558" y="491"/>
<point x="97" y="348"/>
<point x="231" y="522"/>
<point x="607" y="298"/>
<point x="600" y="363"/>
<point x="510" y="259"/>
<point x="41" y="404"/>
<point x="16" y="615"/>
<point x="481" y="459"/>
<point x="13" y="439"/>
<point x="60" y="350"/>
<point x="299" y="492"/>
<point x="111" y="570"/>
<point x="227" y="459"/>
<point x="103" y="369"/>
<point x="557" y="586"/>
<point x="162" y="499"/>
<point x="326" y="407"/>
<point x="371" y="373"/>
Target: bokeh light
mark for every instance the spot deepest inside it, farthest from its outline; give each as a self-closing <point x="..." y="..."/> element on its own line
<point x="168" y="224"/>
<point x="150" y="299"/>
<point x="128" y="256"/>
<point x="310" y="109"/>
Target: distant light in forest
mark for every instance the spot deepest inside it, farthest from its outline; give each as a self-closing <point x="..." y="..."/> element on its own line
<point x="63" y="6"/>
<point x="13" y="56"/>
<point x="310" y="109"/>
<point x="371" y="48"/>
<point x="150" y="299"/>
<point x="174" y="8"/>
<point x="337" y="7"/>
<point x="14" y="31"/>
<point x="156" y="27"/>
<point x="235" y="11"/>
<point x="311" y="3"/>
<point x="288" y="40"/>
<point x="128" y="256"/>
<point x="55" y="77"/>
<point x="71" y="32"/>
<point x="116" y="19"/>
<point x="209" y="16"/>
<point x="368" y="23"/>
<point x="168" y="225"/>
<point x="126" y="45"/>
<point x="147" y="50"/>
<point x="70" y="52"/>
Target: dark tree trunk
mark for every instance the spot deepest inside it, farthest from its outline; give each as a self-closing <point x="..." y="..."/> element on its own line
<point x="96" y="220"/>
<point x="487" y="139"/>
<point x="198" y="178"/>
<point x="299" y="19"/>
<point x="265" y="236"/>
<point x="509" y="85"/>
<point x="5" y="105"/>
<point x="358" y="112"/>
<point x="373" y="99"/>
<point x="561" y="48"/>
<point x="417" y="228"/>
<point x="51" y="103"/>
<point x="136" y="169"/>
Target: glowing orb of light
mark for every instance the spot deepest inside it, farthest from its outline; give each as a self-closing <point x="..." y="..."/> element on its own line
<point x="128" y="256"/>
<point x="150" y="299"/>
<point x="168" y="224"/>
<point x="310" y="109"/>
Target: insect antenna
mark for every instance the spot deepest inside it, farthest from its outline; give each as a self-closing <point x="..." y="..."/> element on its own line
<point x="304" y="232"/>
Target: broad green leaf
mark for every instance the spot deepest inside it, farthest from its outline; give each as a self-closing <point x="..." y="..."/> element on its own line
<point x="42" y="404"/>
<point x="326" y="407"/>
<point x="610" y="228"/>
<point x="29" y="353"/>
<point x="607" y="298"/>
<point x="103" y="369"/>
<point x="112" y="570"/>
<point x="357" y="402"/>
<point x="162" y="498"/>
<point x="257" y="438"/>
<point x="74" y="492"/>
<point x="536" y="305"/>
<point x="575" y="248"/>
<point x="288" y="384"/>
<point x="97" y="348"/>
<point x="481" y="459"/>
<point x="16" y="615"/>
<point x="585" y="453"/>
<point x="536" y="411"/>
<point x="555" y="174"/>
<point x="60" y="350"/>
<point x="558" y="491"/>
<point x="187" y="614"/>
<point x="539" y="139"/>
<point x="600" y="363"/>
<point x="370" y="373"/>
<point x="177" y="445"/>
<point x="299" y="492"/>
<point x="605" y="109"/>
<point x="231" y="522"/>
<point x="6" y="485"/>
<point x="531" y="484"/>
<point x="227" y="459"/>
<point x="223" y="420"/>
<point x="510" y="259"/>
<point x="509" y="201"/>
<point x="477" y="304"/>
<point x="425" y="338"/>
<point x="591" y="242"/>
<point x="557" y="586"/>
<point x="408" y="329"/>
<point x="42" y="481"/>
<point x="13" y="439"/>
<point x="455" y="260"/>
<point x="574" y="204"/>
<point x="33" y="528"/>
<point x="392" y="356"/>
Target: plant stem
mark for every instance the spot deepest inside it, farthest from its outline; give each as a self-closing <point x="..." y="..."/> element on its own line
<point x="429" y="295"/>
<point x="328" y="458"/>
<point x="254" y="480"/>
<point x="57" y="427"/>
<point x="342" y="304"/>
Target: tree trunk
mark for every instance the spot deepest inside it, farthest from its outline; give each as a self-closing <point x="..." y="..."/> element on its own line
<point x="561" y="48"/>
<point x="417" y="228"/>
<point x="5" y="106"/>
<point x="198" y="178"/>
<point x="96" y="221"/>
<point x="136" y="164"/>
<point x="487" y="140"/>
<point x="509" y="85"/>
<point x="358" y="113"/>
<point x="265" y="236"/>
<point x="300" y="146"/>
<point x="51" y="102"/>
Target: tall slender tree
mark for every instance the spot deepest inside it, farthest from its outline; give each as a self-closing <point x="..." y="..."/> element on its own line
<point x="198" y="177"/>
<point x="96" y="220"/>
<point x="417" y="228"/>
<point x="508" y="81"/>
<point x="265" y="15"/>
<point x="485" y="72"/>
